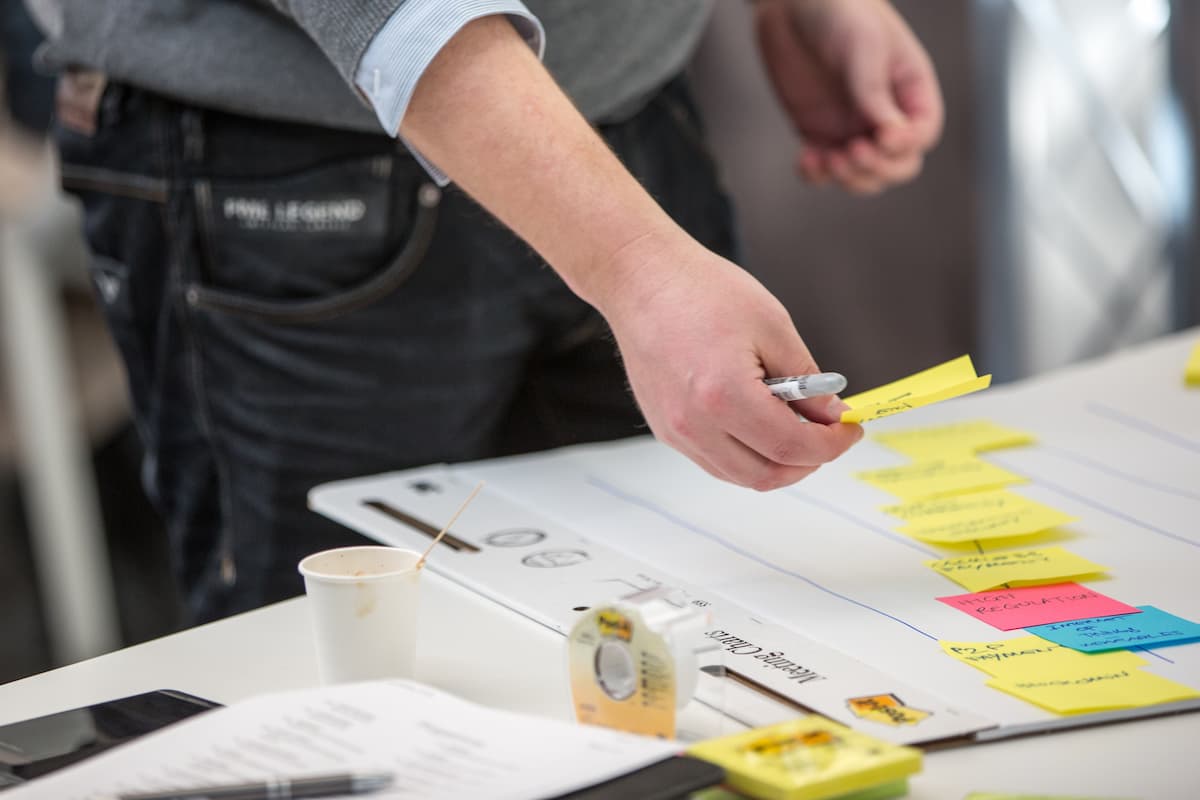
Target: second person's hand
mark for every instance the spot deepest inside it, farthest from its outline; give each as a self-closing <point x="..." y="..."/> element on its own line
<point x="858" y="87"/>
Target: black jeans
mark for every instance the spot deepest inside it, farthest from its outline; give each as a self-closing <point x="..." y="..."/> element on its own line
<point x="297" y="305"/>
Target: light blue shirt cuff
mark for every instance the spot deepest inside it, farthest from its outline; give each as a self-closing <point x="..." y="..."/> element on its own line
<point x="403" y="49"/>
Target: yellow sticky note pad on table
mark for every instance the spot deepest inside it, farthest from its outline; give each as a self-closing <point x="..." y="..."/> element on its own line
<point x="1191" y="372"/>
<point x="980" y="571"/>
<point x="1025" y="521"/>
<point x="1033" y="656"/>
<point x="951" y="379"/>
<point x="937" y="477"/>
<point x="1096" y="690"/>
<point x="1008" y="796"/>
<point x="975" y="436"/>
<point x="806" y="759"/>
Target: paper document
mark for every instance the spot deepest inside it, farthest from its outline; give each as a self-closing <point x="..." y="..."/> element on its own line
<point x="437" y="746"/>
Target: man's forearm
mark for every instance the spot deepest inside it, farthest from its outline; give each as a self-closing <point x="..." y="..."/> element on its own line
<point x="490" y="116"/>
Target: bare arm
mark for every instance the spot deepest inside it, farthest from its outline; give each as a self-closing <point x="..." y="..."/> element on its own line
<point x="697" y="333"/>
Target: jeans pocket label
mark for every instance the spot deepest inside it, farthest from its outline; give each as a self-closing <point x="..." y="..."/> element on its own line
<point x="301" y="215"/>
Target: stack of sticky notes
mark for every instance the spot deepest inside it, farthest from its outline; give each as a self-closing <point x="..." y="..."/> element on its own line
<point x="1191" y="371"/>
<point x="1016" y="576"/>
<point x="811" y="758"/>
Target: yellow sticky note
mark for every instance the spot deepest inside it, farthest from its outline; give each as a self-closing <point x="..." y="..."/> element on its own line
<point x="974" y="504"/>
<point x="937" y="477"/>
<point x="957" y="530"/>
<point x="1098" y="690"/>
<point x="979" y="571"/>
<point x="1007" y="796"/>
<point x="1191" y="372"/>
<point x="975" y="436"/>
<point x="951" y="379"/>
<point x="959" y="370"/>
<point x="1033" y="656"/>
<point x="807" y="758"/>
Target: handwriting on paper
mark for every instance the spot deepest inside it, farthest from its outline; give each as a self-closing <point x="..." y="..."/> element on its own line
<point x="1010" y="609"/>
<point x="980" y="571"/>
<point x="1035" y="656"/>
<point x="971" y="437"/>
<point x="1020" y="522"/>
<point x="943" y="382"/>
<point x="1101" y="690"/>
<point x="938" y="477"/>
<point x="1151" y="628"/>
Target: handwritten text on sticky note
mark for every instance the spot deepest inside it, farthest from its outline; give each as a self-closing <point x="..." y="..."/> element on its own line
<point x="939" y="476"/>
<point x="1034" y="656"/>
<point x="980" y="571"/>
<point x="975" y="436"/>
<point x="943" y="382"/>
<point x="1009" y="524"/>
<point x="1096" y="691"/>
<point x="1009" y="609"/>
<point x="1151" y="628"/>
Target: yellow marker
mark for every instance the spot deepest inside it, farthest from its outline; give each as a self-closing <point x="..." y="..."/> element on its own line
<point x="938" y="477"/>
<point x="943" y="382"/>
<point x="809" y="758"/>
<point x="971" y="437"/>
<point x="1098" y="690"/>
<point x="1033" y="656"/>
<point x="1191" y="372"/>
<point x="979" y="571"/>
<point x="1004" y="525"/>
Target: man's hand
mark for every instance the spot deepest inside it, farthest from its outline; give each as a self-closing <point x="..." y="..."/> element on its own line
<point x="857" y="85"/>
<point x="698" y="335"/>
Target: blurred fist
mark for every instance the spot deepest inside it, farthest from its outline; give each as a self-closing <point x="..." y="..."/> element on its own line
<point x="857" y="85"/>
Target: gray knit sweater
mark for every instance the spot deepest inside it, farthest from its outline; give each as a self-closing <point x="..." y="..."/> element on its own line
<point x="296" y="59"/>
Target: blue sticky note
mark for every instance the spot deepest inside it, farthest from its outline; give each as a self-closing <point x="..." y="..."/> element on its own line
<point x="1151" y="628"/>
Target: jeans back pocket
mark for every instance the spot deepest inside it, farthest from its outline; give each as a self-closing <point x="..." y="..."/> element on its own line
<point x="314" y="245"/>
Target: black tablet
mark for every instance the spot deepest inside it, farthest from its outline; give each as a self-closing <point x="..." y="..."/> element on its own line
<point x="34" y="747"/>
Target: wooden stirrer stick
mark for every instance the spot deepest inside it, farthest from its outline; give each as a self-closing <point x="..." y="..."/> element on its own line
<point x="438" y="538"/>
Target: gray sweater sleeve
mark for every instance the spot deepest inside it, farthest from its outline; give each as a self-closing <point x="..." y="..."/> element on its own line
<point x="343" y="29"/>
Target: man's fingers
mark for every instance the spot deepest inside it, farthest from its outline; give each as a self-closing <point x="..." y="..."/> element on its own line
<point x="825" y="410"/>
<point x="772" y="431"/>
<point x="873" y="163"/>
<point x="733" y="461"/>
<point x="851" y="177"/>
<point x="920" y="99"/>
<point x="810" y="164"/>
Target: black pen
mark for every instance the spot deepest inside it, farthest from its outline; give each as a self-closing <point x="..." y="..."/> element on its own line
<point x="276" y="788"/>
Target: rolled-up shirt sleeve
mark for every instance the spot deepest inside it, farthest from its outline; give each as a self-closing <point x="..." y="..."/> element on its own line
<point x="400" y="53"/>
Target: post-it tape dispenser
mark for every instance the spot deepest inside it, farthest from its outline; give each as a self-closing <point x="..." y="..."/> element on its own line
<point x="635" y="662"/>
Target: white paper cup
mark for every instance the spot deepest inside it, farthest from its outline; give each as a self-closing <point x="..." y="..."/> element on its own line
<point x="363" y="602"/>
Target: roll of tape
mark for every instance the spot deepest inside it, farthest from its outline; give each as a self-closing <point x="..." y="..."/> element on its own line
<point x="633" y="662"/>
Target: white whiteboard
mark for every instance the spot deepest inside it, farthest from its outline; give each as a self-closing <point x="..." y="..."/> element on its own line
<point x="821" y="560"/>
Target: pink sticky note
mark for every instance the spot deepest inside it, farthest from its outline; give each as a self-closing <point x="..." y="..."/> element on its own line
<point x="1008" y="609"/>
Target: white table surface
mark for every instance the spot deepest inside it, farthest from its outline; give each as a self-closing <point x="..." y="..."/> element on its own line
<point x="480" y="651"/>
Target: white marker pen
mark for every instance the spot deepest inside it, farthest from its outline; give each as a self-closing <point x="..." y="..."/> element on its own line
<point x="800" y="387"/>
